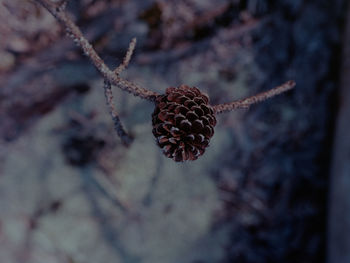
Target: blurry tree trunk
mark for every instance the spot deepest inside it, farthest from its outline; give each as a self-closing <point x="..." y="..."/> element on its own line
<point x="339" y="212"/>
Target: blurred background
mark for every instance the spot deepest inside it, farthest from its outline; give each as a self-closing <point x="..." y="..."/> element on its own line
<point x="272" y="187"/>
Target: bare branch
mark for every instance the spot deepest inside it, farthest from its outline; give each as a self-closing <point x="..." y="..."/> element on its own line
<point x="127" y="57"/>
<point x="118" y="126"/>
<point x="247" y="102"/>
<point x="75" y="33"/>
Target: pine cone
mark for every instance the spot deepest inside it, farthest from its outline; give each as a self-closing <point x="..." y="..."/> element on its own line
<point x="183" y="123"/>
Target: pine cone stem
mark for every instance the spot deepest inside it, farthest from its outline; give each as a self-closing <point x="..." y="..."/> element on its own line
<point x="247" y="102"/>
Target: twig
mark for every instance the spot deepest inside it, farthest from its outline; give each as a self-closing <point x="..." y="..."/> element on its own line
<point x="127" y="57"/>
<point x="118" y="126"/>
<point x="247" y="102"/>
<point x="74" y="32"/>
<point x="110" y="77"/>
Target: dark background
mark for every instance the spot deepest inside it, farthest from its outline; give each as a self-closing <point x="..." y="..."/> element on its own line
<point x="71" y="192"/>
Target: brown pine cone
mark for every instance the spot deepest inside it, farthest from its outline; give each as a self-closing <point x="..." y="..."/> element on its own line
<point x="183" y="123"/>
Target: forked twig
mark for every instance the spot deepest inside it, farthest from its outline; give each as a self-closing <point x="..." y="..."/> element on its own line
<point x="247" y="102"/>
<point x="110" y="77"/>
<point x="74" y="32"/>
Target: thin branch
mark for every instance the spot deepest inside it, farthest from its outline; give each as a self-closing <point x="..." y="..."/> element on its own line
<point x="74" y="32"/>
<point x="247" y="102"/>
<point x="118" y="126"/>
<point x="127" y="57"/>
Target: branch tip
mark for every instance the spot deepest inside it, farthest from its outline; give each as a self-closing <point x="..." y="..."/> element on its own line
<point x="127" y="57"/>
<point x="247" y="102"/>
<point x="118" y="126"/>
